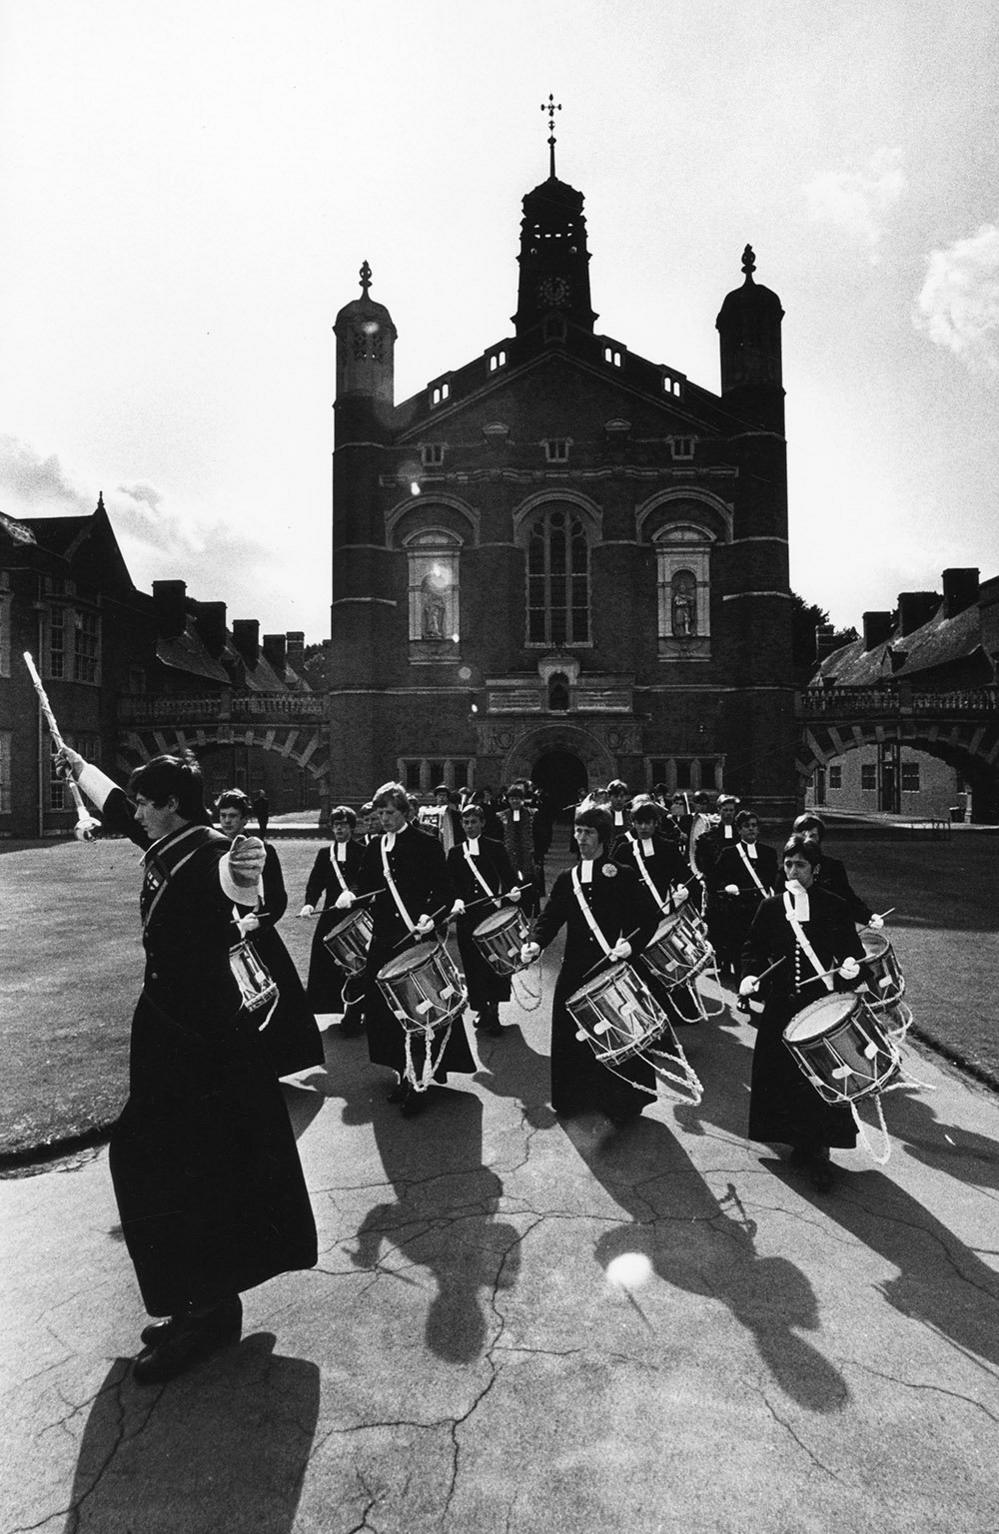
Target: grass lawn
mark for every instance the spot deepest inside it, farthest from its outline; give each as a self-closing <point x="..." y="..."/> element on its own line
<point x="72" y="962"/>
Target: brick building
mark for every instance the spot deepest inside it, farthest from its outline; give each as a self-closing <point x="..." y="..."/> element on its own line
<point x="562" y="560"/>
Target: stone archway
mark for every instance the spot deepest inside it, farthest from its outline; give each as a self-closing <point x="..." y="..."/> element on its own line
<point x="568" y="758"/>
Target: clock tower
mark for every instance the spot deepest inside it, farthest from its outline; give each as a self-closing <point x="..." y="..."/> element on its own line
<point x="554" y="261"/>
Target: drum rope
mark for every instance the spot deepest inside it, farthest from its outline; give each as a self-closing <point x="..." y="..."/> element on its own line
<point x="430" y="1065"/>
<point x="528" y="998"/>
<point x="881" y="1160"/>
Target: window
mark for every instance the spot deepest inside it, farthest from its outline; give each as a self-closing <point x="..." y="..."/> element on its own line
<point x="86" y="659"/>
<point x="558" y="580"/>
<point x="557" y="449"/>
<point x="411" y="775"/>
<point x="672" y="384"/>
<point x="459" y="774"/>
<point x="5" y="601"/>
<point x="910" y="777"/>
<point x="439" y="392"/>
<point x="683" y="564"/>
<point x="836" y="776"/>
<point x="57" y="641"/>
<point x="681" y="447"/>
<point x="89" y="748"/>
<point x="612" y="354"/>
<point x="432" y="454"/>
<point x="433" y="586"/>
<point x="497" y="360"/>
<point x="868" y="775"/>
<point x="6" y="741"/>
<point x="420" y="775"/>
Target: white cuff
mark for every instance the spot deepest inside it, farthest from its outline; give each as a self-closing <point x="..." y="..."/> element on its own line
<point x="239" y="894"/>
<point x="95" y="784"/>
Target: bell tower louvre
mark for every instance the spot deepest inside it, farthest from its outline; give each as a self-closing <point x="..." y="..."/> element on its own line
<point x="561" y="559"/>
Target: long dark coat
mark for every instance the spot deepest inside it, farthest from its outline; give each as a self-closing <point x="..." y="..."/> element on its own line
<point x="666" y="865"/>
<point x="783" y="1107"/>
<point x="205" y="1168"/>
<point x="291" y="1037"/>
<point x="485" y="986"/>
<point x="325" y="983"/>
<point x="578" y="1080"/>
<point x="418" y="867"/>
<point x="731" y="916"/>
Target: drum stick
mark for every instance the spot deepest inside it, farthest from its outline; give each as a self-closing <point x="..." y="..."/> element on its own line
<point x="415" y="937"/>
<point x="86" y="825"/>
<point x="891" y="908"/>
<point x="607" y="958"/>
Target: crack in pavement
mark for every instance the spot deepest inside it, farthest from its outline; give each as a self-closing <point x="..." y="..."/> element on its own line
<point x="781" y="1422"/>
<point x="893" y="1379"/>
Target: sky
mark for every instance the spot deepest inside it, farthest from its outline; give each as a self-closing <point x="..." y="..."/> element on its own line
<point x="188" y="192"/>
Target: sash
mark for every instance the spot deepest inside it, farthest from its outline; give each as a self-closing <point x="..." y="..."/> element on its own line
<point x="338" y="871"/>
<point x="394" y="888"/>
<point x="483" y="885"/>
<point x="804" y="944"/>
<point x="591" y="920"/>
<point x="642" y="867"/>
<point x="168" y="862"/>
<point x="749" y="864"/>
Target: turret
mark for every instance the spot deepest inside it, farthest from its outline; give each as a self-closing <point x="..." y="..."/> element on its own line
<point x="365" y="367"/>
<point x="554" y="262"/>
<point x="748" y="326"/>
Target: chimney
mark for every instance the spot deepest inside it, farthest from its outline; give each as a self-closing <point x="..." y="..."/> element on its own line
<point x="916" y="608"/>
<point x="825" y="642"/>
<point x="211" y="626"/>
<point x="988" y="607"/>
<point x="274" y="652"/>
<point x="246" y="638"/>
<point x="296" y="651"/>
<point x="960" y="590"/>
<point x="170" y="599"/>
<point x="877" y="629"/>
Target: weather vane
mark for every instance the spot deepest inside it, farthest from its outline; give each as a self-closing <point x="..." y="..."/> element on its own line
<point x="551" y="106"/>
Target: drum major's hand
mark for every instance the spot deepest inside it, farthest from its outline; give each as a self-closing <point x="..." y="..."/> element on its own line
<point x="246" y="857"/>
<point x="69" y="762"/>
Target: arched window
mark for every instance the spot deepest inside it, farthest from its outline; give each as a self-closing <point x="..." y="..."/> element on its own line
<point x="433" y="587"/>
<point x="558" y="579"/>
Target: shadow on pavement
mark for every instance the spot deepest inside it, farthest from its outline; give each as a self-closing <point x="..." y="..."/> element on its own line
<point x="950" y="1148"/>
<point x="513" y="1069"/>
<point x="227" y="1443"/>
<point x="705" y="1246"/>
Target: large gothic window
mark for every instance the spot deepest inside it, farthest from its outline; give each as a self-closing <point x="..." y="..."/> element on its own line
<point x="433" y="586"/>
<point x="558" y="580"/>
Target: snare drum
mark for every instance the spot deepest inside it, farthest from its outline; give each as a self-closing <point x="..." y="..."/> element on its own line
<point x="881" y="967"/>
<point x="841" y="1048"/>
<point x="347" y="943"/>
<point x="679" y="950"/>
<point x="256" y="988"/>
<point x="500" y="937"/>
<point x="423" y="988"/>
<point x="618" y="1016"/>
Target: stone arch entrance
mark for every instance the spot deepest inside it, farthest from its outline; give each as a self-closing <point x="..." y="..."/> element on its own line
<point x="560" y="759"/>
<point x="559" y="776"/>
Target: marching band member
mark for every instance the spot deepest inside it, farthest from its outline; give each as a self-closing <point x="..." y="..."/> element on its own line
<point x="720" y="834"/>
<point x="441" y="818"/>
<point x="605" y="919"/>
<point x="519" y="841"/>
<point x="336" y="872"/>
<point x="832" y="875"/>
<point x="407" y="873"/>
<point x="744" y="874"/>
<point x="480" y="871"/>
<point x="203" y="1159"/>
<point x="809" y="930"/>
<point x="291" y="1037"/>
<point x="658" y="862"/>
<point x="617" y="789"/>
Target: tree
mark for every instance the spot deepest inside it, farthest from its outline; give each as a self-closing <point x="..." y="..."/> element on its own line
<point x="805" y="619"/>
<point x="316" y="668"/>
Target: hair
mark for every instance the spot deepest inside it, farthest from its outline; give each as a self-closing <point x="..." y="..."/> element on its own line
<point x="796" y="846"/>
<point x="235" y="799"/>
<point x="367" y="808"/>
<point x="744" y="815"/>
<point x="643" y="807"/>
<point x="473" y="807"/>
<point x="392" y="796"/>
<point x="171" y="777"/>
<point x="599" y="821"/>
<point x="516" y="788"/>
<point x="343" y="812"/>
<point x="809" y="823"/>
<point x="617" y="786"/>
<point x="701" y="797"/>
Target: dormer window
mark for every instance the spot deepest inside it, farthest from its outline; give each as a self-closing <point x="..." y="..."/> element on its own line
<point x="682" y="447"/>
<point x="497" y="360"/>
<point x="672" y="384"/>
<point x="557" y="449"/>
<point x="432" y="454"/>
<point x="614" y="356"/>
<point x="439" y="392"/>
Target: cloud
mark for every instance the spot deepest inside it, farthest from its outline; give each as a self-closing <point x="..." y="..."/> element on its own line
<point x="959" y="303"/>
<point x="35" y="482"/>
<point x="858" y="202"/>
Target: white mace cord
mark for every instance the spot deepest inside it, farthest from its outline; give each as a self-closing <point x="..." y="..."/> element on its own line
<point x="86" y="825"/>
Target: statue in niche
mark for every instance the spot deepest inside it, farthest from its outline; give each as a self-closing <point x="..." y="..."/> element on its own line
<point x="684" y="605"/>
<point x="434" y="609"/>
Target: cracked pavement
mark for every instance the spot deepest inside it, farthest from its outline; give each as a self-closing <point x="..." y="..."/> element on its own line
<point x="521" y="1325"/>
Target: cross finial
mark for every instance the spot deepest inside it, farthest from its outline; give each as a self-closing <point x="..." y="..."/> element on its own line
<point x="365" y="278"/>
<point x="748" y="262"/>
<point x="551" y="106"/>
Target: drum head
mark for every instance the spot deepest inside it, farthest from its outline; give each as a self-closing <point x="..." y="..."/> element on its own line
<point x="666" y="925"/>
<point x="819" y="1017"/>
<point x="596" y="985"/>
<point x="876" y="945"/>
<point x="346" y="923"/>
<point x="405" y="963"/>
<point x="496" y="921"/>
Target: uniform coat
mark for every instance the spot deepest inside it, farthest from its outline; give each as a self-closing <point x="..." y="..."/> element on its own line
<point x="485" y="986"/>
<point x="578" y="1080"/>
<point x="731" y="916"/>
<point x="326" y="979"/>
<point x="291" y="1037"/>
<point x="665" y="864"/>
<point x="417" y="864"/>
<point x="783" y="1107"/>
<point x="203" y="1159"/>
<point x="518" y="839"/>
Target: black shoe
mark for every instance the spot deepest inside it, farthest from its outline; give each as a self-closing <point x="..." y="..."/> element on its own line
<point x="413" y="1103"/>
<point x="225" y="1316"/>
<point x="192" y="1339"/>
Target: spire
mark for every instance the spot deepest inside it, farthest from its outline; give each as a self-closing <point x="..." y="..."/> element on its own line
<point x="748" y="262"/>
<point x="551" y="107"/>
<point x="100" y="500"/>
<point x="365" y="276"/>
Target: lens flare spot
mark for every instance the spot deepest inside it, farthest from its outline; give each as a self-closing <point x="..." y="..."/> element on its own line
<point x="629" y="1271"/>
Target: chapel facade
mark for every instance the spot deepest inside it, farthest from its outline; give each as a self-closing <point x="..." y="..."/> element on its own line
<point x="561" y="560"/>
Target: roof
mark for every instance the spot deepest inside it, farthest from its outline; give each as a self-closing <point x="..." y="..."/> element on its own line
<point x="940" y="642"/>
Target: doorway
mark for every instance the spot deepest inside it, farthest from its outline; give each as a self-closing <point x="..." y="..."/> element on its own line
<point x="559" y="776"/>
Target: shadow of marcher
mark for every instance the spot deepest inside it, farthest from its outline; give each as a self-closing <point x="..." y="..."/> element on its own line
<point x="940" y="1281"/>
<point x="722" y="1059"/>
<point x="511" y="1068"/>
<point x="705" y="1246"/>
<point x="225" y="1447"/>
<point x="961" y="1153"/>
<point x="442" y="1216"/>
